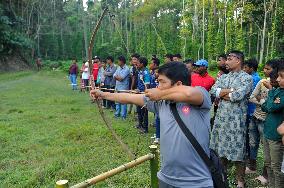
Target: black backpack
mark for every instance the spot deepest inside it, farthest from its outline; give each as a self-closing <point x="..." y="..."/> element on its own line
<point x="213" y="163"/>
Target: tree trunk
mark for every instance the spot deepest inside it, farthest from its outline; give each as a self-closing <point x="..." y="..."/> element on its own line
<point x="62" y="40"/>
<point x="249" y="42"/>
<point x="263" y="33"/>
<point x="267" y="47"/>
<point x="126" y="25"/>
<point x="273" y="31"/>
<point x="85" y="29"/>
<point x="257" y="45"/>
<point x="38" y="35"/>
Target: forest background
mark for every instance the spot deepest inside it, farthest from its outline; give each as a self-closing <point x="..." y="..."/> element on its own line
<point x="60" y="29"/>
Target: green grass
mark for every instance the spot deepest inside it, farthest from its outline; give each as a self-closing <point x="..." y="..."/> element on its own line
<point x="49" y="132"/>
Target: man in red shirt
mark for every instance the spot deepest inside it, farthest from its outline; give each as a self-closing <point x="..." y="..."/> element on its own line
<point x="96" y="61"/>
<point x="201" y="76"/>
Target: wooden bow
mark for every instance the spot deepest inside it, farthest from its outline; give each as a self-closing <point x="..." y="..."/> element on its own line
<point x="107" y="123"/>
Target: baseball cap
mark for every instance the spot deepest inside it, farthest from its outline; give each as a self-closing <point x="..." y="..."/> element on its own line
<point x="96" y="57"/>
<point x="201" y="62"/>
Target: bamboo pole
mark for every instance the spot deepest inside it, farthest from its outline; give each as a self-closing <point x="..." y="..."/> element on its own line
<point x="154" y="166"/>
<point x="62" y="184"/>
<point x="115" y="171"/>
<point x="117" y="91"/>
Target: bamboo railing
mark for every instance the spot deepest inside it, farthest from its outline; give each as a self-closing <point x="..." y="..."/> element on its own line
<point x="154" y="165"/>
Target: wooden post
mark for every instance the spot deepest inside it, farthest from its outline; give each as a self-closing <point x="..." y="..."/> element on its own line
<point x="62" y="184"/>
<point x="154" y="166"/>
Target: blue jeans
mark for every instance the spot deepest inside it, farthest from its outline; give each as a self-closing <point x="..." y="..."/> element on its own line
<point x="73" y="80"/>
<point x="121" y="110"/>
<point x="157" y="124"/>
<point x="255" y="135"/>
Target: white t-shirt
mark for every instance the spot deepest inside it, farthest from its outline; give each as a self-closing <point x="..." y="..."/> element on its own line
<point x="85" y="74"/>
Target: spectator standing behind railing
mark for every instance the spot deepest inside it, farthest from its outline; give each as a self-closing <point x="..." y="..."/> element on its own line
<point x="154" y="65"/>
<point x="121" y="76"/>
<point x="143" y="82"/>
<point x="133" y="77"/>
<point x="109" y="80"/>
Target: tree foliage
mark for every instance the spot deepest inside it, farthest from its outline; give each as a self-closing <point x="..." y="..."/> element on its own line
<point x="55" y="29"/>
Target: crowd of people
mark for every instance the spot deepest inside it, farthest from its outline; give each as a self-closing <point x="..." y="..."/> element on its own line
<point x="247" y="110"/>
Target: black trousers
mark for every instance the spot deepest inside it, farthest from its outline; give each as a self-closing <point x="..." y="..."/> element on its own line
<point x="143" y="117"/>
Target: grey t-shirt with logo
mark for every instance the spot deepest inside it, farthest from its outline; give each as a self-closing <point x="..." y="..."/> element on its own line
<point x="181" y="165"/>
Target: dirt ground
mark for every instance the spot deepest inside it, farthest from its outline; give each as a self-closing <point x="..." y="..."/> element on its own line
<point x="13" y="63"/>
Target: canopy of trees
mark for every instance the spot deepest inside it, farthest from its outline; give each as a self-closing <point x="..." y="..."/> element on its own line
<point x="60" y="29"/>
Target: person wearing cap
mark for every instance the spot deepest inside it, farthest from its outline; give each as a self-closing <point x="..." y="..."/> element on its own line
<point x="228" y="136"/>
<point x="96" y="61"/>
<point x="201" y="76"/>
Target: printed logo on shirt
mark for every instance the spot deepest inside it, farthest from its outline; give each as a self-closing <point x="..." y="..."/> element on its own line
<point x="185" y="110"/>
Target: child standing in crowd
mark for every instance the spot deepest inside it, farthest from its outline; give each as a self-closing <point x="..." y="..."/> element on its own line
<point x="143" y="81"/>
<point x="273" y="146"/>
<point x="154" y="65"/>
<point x="86" y="75"/>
